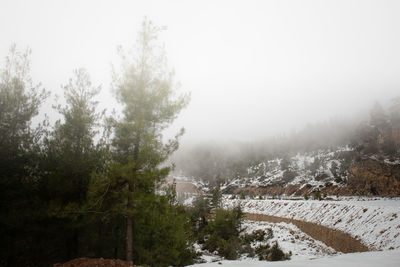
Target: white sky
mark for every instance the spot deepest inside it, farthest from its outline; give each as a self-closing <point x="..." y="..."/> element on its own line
<point x="254" y="68"/>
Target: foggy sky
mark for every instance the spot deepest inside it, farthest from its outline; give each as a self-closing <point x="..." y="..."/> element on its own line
<point x="254" y="68"/>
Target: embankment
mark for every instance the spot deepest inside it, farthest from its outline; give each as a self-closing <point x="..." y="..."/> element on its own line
<point x="376" y="224"/>
<point x="336" y="239"/>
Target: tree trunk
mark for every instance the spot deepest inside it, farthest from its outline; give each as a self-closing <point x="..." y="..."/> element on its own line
<point x="129" y="239"/>
<point x="129" y="219"/>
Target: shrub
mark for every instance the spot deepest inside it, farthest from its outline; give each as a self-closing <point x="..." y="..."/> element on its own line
<point x="229" y="248"/>
<point x="262" y="251"/>
<point x="222" y="233"/>
<point x="317" y="195"/>
<point x="256" y="235"/>
<point x="274" y="253"/>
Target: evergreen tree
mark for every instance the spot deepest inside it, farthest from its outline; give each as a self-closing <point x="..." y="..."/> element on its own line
<point x="19" y="157"/>
<point x="378" y="116"/>
<point x="146" y="91"/>
<point x="216" y="197"/>
<point x="395" y="111"/>
<point x="71" y="157"/>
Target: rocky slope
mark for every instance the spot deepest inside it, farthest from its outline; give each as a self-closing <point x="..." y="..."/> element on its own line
<point x="339" y="172"/>
<point x="370" y="176"/>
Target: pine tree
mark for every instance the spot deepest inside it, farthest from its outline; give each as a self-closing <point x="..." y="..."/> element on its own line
<point x="146" y="90"/>
<point x="20" y="101"/>
<point x="72" y="156"/>
<point x="378" y="116"/>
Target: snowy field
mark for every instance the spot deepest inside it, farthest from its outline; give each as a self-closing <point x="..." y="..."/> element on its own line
<point x="290" y="239"/>
<point x="376" y="222"/>
<point x="389" y="258"/>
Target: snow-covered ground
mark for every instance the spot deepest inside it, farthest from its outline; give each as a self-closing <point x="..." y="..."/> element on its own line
<point x="325" y="164"/>
<point x="289" y="237"/>
<point x="292" y="239"/>
<point x="375" y="223"/>
<point x="389" y="258"/>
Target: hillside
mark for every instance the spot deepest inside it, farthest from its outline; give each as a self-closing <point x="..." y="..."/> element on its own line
<point x="375" y="223"/>
<point x="329" y="172"/>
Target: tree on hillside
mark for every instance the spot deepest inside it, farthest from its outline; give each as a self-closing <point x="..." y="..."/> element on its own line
<point x="378" y="115"/>
<point x="71" y="149"/>
<point x="395" y="120"/>
<point x="146" y="90"/>
<point x="72" y="156"/>
<point x="20" y="101"/>
<point x="19" y="104"/>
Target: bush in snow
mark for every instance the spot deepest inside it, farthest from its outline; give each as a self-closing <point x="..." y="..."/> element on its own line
<point x="274" y="253"/>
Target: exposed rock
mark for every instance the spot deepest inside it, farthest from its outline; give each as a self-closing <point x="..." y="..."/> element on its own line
<point x="306" y="189"/>
<point x="230" y="189"/>
<point x="336" y="190"/>
<point x="264" y="190"/>
<point x="291" y="189"/>
<point x="373" y="177"/>
<point x="321" y="176"/>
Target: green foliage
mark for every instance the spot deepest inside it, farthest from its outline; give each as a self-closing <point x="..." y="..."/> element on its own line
<point x="21" y="210"/>
<point x="145" y="88"/>
<point x="257" y="235"/>
<point x="222" y="233"/>
<point x="216" y="197"/>
<point x="274" y="253"/>
<point x="161" y="234"/>
<point x="199" y="214"/>
<point x="67" y="191"/>
<point x="306" y="196"/>
<point x="71" y="154"/>
<point x="317" y="195"/>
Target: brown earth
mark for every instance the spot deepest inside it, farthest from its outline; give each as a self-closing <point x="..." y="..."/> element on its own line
<point x="183" y="186"/>
<point x="373" y="177"/>
<point x="338" y="240"/>
<point x="186" y="187"/>
<point x="87" y="262"/>
<point x="289" y="190"/>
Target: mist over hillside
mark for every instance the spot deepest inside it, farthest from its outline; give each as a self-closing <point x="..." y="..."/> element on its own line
<point x="222" y="160"/>
<point x="162" y="133"/>
<point x="321" y="156"/>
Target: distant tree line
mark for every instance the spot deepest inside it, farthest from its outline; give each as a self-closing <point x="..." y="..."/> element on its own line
<point x="91" y="185"/>
<point x="219" y="162"/>
<point x="379" y="136"/>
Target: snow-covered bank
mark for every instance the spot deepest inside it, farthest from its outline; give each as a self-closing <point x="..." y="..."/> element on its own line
<point x="390" y="258"/>
<point x="375" y="223"/>
<point x="290" y="238"/>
